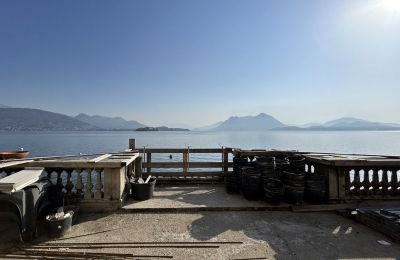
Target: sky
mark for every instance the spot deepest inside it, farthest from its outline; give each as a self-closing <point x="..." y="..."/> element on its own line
<point x="196" y="62"/>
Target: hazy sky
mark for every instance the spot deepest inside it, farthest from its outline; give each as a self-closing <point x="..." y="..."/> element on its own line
<point x="198" y="62"/>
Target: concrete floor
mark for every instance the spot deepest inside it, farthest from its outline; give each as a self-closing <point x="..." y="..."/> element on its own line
<point x="194" y="198"/>
<point x="201" y="214"/>
<point x="263" y="235"/>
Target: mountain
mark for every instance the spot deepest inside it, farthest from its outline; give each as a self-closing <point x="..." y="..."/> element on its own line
<point x="351" y="123"/>
<point x="15" y="119"/>
<point x="259" y="122"/>
<point x="208" y="127"/>
<point x="4" y="106"/>
<point x="109" y="123"/>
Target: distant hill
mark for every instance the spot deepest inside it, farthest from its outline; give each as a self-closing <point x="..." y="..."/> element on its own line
<point x="259" y="122"/>
<point x="27" y="119"/>
<point x="351" y="123"/>
<point x="109" y="123"/>
<point x="4" y="106"/>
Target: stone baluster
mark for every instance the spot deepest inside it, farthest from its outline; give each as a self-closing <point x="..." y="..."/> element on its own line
<point x="49" y="172"/>
<point x="367" y="182"/>
<point x="59" y="179"/>
<point x="98" y="194"/>
<point x="89" y="185"/>
<point x="385" y="181"/>
<point x="347" y="183"/>
<point x="79" y="184"/>
<point x="375" y="181"/>
<point x="394" y="182"/>
<point x="357" y="181"/>
<point x="69" y="186"/>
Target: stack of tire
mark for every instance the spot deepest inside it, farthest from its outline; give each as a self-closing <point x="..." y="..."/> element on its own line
<point x="272" y="186"/>
<point x="250" y="182"/>
<point x="316" y="190"/>
<point x="232" y="180"/>
<point x="294" y="179"/>
<point x="282" y="164"/>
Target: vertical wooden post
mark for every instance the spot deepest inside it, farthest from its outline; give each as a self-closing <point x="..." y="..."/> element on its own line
<point x="185" y="157"/>
<point x="132" y="144"/>
<point x="225" y="160"/>
<point x="148" y="160"/>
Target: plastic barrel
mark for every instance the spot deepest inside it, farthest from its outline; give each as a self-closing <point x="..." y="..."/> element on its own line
<point x="143" y="191"/>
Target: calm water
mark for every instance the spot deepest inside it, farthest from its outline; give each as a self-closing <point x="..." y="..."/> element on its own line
<point x="61" y="143"/>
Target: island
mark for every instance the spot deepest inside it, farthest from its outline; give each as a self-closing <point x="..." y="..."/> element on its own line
<point x="160" y="128"/>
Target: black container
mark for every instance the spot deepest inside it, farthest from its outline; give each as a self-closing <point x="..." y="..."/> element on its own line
<point x="143" y="191"/>
<point x="57" y="228"/>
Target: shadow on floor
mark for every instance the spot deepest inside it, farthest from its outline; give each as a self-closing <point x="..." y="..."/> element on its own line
<point x="298" y="235"/>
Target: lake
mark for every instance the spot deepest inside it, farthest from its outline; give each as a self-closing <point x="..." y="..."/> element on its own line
<point x="62" y="143"/>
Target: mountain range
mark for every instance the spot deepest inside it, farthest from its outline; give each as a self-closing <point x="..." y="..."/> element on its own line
<point x="19" y="119"/>
<point x="109" y="123"/>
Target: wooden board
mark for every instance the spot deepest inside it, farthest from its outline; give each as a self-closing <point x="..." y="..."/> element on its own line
<point x="21" y="179"/>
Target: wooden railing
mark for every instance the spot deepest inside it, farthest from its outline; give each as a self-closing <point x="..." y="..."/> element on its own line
<point x="186" y="168"/>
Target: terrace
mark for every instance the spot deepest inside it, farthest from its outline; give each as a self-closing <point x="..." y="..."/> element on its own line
<point x="191" y="216"/>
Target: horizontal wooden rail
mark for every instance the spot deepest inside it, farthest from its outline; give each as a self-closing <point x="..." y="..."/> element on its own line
<point x="184" y="150"/>
<point x="189" y="174"/>
<point x="186" y="165"/>
<point x="151" y="166"/>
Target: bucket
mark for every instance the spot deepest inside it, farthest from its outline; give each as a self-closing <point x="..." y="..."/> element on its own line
<point x="143" y="191"/>
<point x="58" y="227"/>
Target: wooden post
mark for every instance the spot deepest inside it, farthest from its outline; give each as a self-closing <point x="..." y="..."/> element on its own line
<point x="185" y="156"/>
<point x="148" y="160"/>
<point x="225" y="162"/>
<point x="132" y="144"/>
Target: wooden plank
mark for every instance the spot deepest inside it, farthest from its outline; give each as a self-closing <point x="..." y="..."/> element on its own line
<point x="75" y="164"/>
<point x="99" y="158"/>
<point x="166" y="165"/>
<point x="189" y="174"/>
<point x="20" y="179"/>
<point x="13" y="163"/>
<point x="180" y="150"/>
<point x="324" y="207"/>
<point x="131" y="159"/>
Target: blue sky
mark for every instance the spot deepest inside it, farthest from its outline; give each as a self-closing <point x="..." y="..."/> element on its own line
<point x="198" y="62"/>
